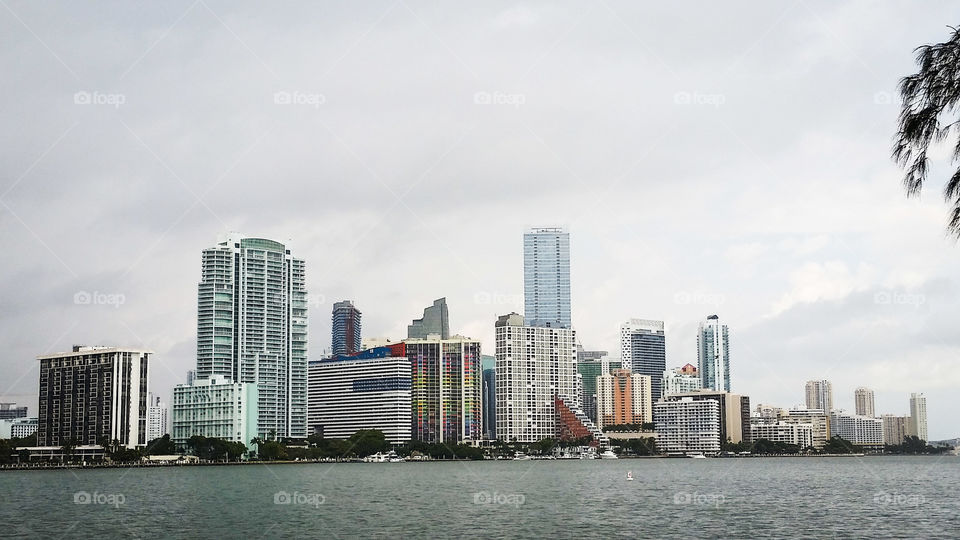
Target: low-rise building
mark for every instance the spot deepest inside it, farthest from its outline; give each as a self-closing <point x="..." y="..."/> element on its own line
<point x="817" y="418"/>
<point x="784" y="432"/>
<point x="734" y="412"/>
<point x="859" y="430"/>
<point x="687" y="425"/>
<point x="17" y="428"/>
<point x="215" y="407"/>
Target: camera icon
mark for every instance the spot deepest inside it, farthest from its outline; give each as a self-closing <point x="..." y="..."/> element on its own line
<point x="282" y="497"/>
<point x="682" y="498"/>
<point x="282" y="98"/>
<point x="683" y="98"/>
<point x="882" y="297"/>
<point x="82" y="98"/>
<point x="482" y="497"/>
<point x="483" y="98"/>
<point x="82" y="497"/>
<point x="481" y="298"/>
<point x="82" y="298"/>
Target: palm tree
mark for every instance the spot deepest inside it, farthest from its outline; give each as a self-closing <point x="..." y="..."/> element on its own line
<point x="928" y="94"/>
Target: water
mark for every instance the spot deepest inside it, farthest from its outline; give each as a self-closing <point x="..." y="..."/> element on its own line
<point x="876" y="497"/>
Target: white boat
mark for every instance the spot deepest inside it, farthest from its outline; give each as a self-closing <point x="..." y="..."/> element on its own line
<point x="698" y="456"/>
<point x="608" y="454"/>
<point x="520" y="456"/>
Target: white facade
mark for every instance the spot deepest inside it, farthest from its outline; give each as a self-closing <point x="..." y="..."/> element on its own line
<point x="349" y="395"/>
<point x="624" y="398"/>
<point x="918" y="416"/>
<point x="17" y="428"/>
<point x="863" y="401"/>
<point x="859" y="430"/>
<point x="687" y="425"/>
<point x="158" y="420"/>
<point x="819" y="395"/>
<point x="215" y="407"/>
<point x="533" y="364"/>
<point x="817" y="418"/>
<point x="713" y="354"/>
<point x="767" y="411"/>
<point x="677" y="382"/>
<point x="783" y="432"/>
<point x="895" y="428"/>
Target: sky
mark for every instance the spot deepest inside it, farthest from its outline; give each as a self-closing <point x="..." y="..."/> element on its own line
<point x="707" y="158"/>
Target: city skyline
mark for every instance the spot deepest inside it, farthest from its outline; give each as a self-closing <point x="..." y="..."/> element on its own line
<point x="845" y="279"/>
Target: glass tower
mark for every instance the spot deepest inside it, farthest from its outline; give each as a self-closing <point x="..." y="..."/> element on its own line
<point x="546" y="277"/>
<point x="643" y="348"/>
<point x="713" y="354"/>
<point x="346" y="328"/>
<point x="252" y="327"/>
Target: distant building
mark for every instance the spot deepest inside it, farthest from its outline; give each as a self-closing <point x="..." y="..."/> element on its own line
<point x="734" y="412"/>
<point x="546" y="277"/>
<point x="368" y="390"/>
<point x="859" y="430"/>
<point x="447" y="389"/>
<point x="624" y="397"/>
<point x="215" y="407"/>
<point x="584" y="355"/>
<point x="9" y="412"/>
<point x="643" y="348"/>
<point x="713" y="354"/>
<point x="895" y="428"/>
<point x="863" y="400"/>
<point x="93" y="395"/>
<point x="589" y="370"/>
<point x="818" y="419"/>
<point x="489" y="365"/>
<point x="680" y="380"/>
<point x="918" y="416"/>
<point x="572" y="423"/>
<point x="686" y="425"/>
<point x="158" y="421"/>
<point x="819" y="395"/>
<point x="534" y="365"/>
<point x="769" y="411"/>
<point x="435" y="322"/>
<point x="374" y="342"/>
<point x="784" y="432"/>
<point x="345" y="328"/>
<point x="17" y="428"/>
<point x="252" y="327"/>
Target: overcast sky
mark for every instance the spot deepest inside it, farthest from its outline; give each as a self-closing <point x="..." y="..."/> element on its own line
<point x="725" y="158"/>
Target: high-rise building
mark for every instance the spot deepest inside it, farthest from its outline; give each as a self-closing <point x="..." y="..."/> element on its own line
<point x="713" y="354"/>
<point x="734" y="412"/>
<point x="367" y="390"/>
<point x="918" y="416"/>
<point x="435" y="322"/>
<point x="252" y="327"/>
<point x="489" y="365"/>
<point x="345" y="328"/>
<point x="546" y="277"/>
<point x="643" y="348"/>
<point x="589" y="370"/>
<point x="584" y="355"/>
<point x="863" y="399"/>
<point x="820" y="395"/>
<point x="817" y="418"/>
<point x="686" y="425"/>
<point x="216" y="407"/>
<point x="859" y="430"/>
<point x="157" y="418"/>
<point x="895" y="428"/>
<point x="624" y="397"/>
<point x="535" y="364"/>
<point x="680" y="380"/>
<point x="94" y="395"/>
<point x="9" y="412"/>
<point x="446" y="391"/>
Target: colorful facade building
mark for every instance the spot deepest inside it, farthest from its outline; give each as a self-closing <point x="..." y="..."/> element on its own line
<point x="446" y="390"/>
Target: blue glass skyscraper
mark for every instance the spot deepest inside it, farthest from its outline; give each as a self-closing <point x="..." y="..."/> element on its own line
<point x="546" y="277"/>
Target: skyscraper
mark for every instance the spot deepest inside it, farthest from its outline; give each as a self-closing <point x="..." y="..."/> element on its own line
<point x="489" y="366"/>
<point x="345" y="328"/>
<point x="680" y="380"/>
<point x="623" y="397"/>
<point x="863" y="401"/>
<point x="435" y="321"/>
<point x="252" y="327"/>
<point x="713" y="354"/>
<point x="820" y="395"/>
<point x="643" y="348"/>
<point x="546" y="277"/>
<point x="918" y="416"/>
<point x="589" y="370"/>
<point x="446" y="389"/>
<point x="158" y="419"/>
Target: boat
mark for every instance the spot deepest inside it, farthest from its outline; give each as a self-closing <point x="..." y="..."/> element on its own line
<point x="608" y="454"/>
<point x="520" y="456"/>
<point x="630" y="476"/>
<point x="698" y="456"/>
